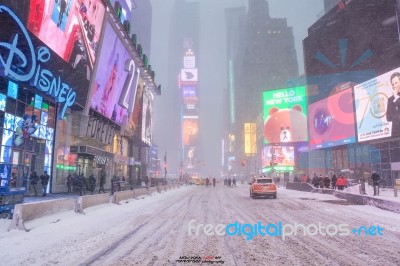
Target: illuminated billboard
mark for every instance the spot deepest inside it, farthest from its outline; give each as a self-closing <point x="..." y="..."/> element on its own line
<point x="189" y="91"/>
<point x="285" y="115"/>
<point x="279" y="157"/>
<point x="32" y="64"/>
<point x="190" y="132"/>
<point x="250" y="139"/>
<point x="110" y="78"/>
<point x="331" y="121"/>
<point x="189" y="75"/>
<point x="377" y="106"/>
<point x="70" y="28"/>
<point x="147" y="117"/>
<point x="124" y="9"/>
<point x="133" y="124"/>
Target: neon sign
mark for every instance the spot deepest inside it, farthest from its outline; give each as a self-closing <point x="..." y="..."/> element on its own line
<point x="39" y="77"/>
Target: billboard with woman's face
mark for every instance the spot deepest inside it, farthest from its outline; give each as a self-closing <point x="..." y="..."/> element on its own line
<point x="110" y="77"/>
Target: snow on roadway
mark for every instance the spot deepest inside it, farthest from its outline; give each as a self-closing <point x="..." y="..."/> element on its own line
<point x="154" y="231"/>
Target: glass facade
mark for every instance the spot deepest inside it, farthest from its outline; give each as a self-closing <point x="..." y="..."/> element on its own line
<point x="27" y="127"/>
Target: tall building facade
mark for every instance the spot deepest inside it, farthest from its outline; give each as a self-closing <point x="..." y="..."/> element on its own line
<point x="265" y="60"/>
<point x="83" y="112"/>
<point x="183" y="80"/>
<point x="351" y="55"/>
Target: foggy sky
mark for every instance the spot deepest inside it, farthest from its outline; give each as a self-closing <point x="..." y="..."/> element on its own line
<point x="212" y="70"/>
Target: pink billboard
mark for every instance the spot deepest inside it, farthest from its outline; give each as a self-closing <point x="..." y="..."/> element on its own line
<point x="331" y="120"/>
<point x="110" y="77"/>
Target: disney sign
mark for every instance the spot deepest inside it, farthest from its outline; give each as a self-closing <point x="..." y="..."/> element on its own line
<point x="17" y="65"/>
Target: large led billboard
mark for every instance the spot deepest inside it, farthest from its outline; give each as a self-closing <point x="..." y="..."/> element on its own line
<point x="189" y="75"/>
<point x="70" y="28"/>
<point x="377" y="106"/>
<point x="124" y="9"/>
<point x="279" y="157"/>
<point x="190" y="132"/>
<point x="29" y="62"/>
<point x="285" y="115"/>
<point x="110" y="77"/>
<point x="331" y="120"/>
<point x="133" y="124"/>
<point x="147" y="117"/>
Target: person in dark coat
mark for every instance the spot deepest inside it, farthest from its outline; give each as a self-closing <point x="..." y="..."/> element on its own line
<point x="375" y="182"/>
<point x="102" y="181"/>
<point x="34" y="179"/>
<point x="92" y="183"/>
<point x="321" y="181"/>
<point x="327" y="182"/>
<point x="44" y="179"/>
<point x="315" y="181"/>
<point x="334" y="179"/>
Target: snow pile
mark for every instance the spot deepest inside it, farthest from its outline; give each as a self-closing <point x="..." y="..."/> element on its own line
<point x="356" y="189"/>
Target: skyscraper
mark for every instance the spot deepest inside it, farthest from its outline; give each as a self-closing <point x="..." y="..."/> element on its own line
<point x="266" y="59"/>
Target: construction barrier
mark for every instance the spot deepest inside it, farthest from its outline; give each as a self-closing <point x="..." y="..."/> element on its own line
<point x="25" y="212"/>
<point x="84" y="202"/>
<point x="122" y="195"/>
<point x="141" y="192"/>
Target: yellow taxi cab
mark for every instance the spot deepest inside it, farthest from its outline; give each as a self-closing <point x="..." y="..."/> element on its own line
<point x="263" y="187"/>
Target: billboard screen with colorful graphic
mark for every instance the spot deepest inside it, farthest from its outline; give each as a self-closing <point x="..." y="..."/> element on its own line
<point x="147" y="117"/>
<point x="110" y="78"/>
<point x="377" y="103"/>
<point x="278" y="156"/>
<point x="285" y="115"/>
<point x="190" y="132"/>
<point x="331" y="121"/>
<point x="70" y="28"/>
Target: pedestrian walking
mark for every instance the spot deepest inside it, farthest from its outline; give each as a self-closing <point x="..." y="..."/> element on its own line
<point x="92" y="184"/>
<point x="69" y="183"/>
<point x="375" y="182"/>
<point x="34" y="179"/>
<point x="44" y="181"/>
<point x="214" y="181"/>
<point x="102" y="181"/>
<point x="334" y="179"/>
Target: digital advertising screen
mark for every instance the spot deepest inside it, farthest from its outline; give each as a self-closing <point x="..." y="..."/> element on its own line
<point x="137" y="109"/>
<point x="38" y="101"/>
<point x="377" y="105"/>
<point x="125" y="9"/>
<point x="331" y="121"/>
<point x="285" y="115"/>
<point x="12" y="90"/>
<point x="147" y="117"/>
<point x="281" y="157"/>
<point x="189" y="75"/>
<point x="71" y="28"/>
<point x="41" y="68"/>
<point x="190" y="132"/>
<point x="110" y="77"/>
<point x="189" y="91"/>
<point x="3" y="99"/>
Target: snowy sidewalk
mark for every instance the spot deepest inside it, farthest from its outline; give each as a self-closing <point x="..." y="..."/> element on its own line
<point x="384" y="193"/>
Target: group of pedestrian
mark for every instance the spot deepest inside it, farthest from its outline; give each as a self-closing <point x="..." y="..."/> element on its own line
<point x="44" y="181"/>
<point x="230" y="182"/>
<point x="325" y="182"/>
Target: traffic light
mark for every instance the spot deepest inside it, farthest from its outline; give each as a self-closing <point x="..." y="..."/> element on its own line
<point x="243" y="163"/>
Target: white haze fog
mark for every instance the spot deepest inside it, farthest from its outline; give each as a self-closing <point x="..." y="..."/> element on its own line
<point x="212" y="72"/>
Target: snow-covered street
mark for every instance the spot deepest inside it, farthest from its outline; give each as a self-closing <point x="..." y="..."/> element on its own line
<point x="154" y="231"/>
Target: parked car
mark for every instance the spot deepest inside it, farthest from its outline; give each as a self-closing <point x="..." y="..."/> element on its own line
<point x="263" y="187"/>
